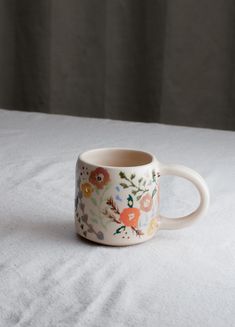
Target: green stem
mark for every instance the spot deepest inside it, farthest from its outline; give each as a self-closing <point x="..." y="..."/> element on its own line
<point x="101" y="201"/>
<point x="144" y="191"/>
<point x="102" y="196"/>
<point x="99" y="218"/>
<point x="130" y="181"/>
<point x="137" y="187"/>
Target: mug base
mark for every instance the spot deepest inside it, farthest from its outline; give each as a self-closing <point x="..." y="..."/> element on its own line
<point x="113" y="243"/>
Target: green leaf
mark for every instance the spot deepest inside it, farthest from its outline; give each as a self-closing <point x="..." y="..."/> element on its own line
<point x="140" y="180"/>
<point x="124" y="185"/>
<point x="93" y="200"/>
<point x="107" y="187"/>
<point x="132" y="176"/>
<point x="153" y="175"/>
<point x="118" y="231"/>
<point x="122" y="174"/>
<point x="154" y="192"/>
<point x="130" y="201"/>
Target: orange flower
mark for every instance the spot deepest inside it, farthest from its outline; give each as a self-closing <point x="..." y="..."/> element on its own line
<point x="86" y="190"/>
<point x="146" y="202"/>
<point x="130" y="217"/>
<point x="99" y="177"/>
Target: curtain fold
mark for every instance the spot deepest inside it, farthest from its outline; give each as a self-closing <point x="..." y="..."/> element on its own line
<point x="154" y="60"/>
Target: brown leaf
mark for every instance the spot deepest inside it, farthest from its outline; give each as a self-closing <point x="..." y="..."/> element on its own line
<point x="112" y="205"/>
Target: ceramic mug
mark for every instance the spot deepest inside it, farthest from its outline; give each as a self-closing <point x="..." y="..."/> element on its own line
<point x="117" y="196"/>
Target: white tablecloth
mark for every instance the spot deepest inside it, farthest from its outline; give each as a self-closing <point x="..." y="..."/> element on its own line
<point x="50" y="277"/>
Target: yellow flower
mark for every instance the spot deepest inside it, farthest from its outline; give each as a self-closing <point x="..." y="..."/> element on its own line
<point x="152" y="226"/>
<point x="86" y="190"/>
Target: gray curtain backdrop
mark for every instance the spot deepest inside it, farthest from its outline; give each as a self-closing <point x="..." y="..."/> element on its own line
<point x="170" y="61"/>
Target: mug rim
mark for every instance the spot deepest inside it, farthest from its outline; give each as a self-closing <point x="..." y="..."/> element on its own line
<point x="87" y="152"/>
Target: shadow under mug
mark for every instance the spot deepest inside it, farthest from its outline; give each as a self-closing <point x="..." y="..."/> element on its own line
<point x="117" y="196"/>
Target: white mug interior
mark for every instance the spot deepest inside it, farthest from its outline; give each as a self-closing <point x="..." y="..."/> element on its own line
<point x="115" y="157"/>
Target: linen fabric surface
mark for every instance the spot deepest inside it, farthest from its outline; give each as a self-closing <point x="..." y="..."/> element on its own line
<point x="51" y="277"/>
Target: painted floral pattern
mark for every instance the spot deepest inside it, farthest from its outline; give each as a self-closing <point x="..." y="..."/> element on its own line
<point x="130" y="216"/>
<point x="146" y="202"/>
<point x="99" y="177"/>
<point x="152" y="226"/>
<point x="127" y="218"/>
<point x="86" y="189"/>
<point x="129" y="206"/>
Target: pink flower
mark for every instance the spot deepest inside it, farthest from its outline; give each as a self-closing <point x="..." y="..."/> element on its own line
<point x="146" y="202"/>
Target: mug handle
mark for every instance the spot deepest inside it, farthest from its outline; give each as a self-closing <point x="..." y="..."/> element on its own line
<point x="199" y="183"/>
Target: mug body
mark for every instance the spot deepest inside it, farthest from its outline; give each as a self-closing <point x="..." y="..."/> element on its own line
<point x="117" y="196"/>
